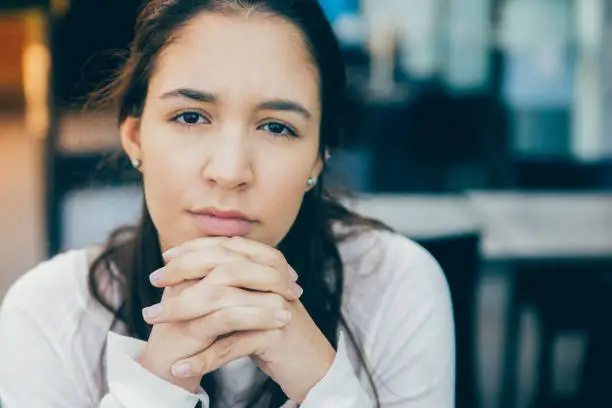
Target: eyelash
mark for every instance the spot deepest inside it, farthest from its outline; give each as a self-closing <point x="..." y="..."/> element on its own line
<point x="291" y="132"/>
<point x="177" y="118"/>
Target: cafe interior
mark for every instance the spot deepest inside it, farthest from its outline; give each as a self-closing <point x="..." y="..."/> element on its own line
<point x="479" y="128"/>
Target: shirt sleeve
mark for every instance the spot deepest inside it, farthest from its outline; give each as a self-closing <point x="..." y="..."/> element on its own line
<point x="340" y="388"/>
<point x="409" y="347"/>
<point x="31" y="361"/>
<point x="130" y="385"/>
<point x="32" y="370"/>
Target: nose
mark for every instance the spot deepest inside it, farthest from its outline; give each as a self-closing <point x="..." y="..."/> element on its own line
<point x="229" y="162"/>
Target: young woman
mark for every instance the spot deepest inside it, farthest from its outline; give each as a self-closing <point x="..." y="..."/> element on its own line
<point x="244" y="284"/>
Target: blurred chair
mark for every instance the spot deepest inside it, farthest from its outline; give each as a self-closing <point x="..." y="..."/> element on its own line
<point x="560" y="291"/>
<point x="459" y="256"/>
<point x="595" y="379"/>
<point x="564" y="294"/>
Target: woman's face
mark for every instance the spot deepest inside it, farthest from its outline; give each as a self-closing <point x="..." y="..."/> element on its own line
<point x="230" y="130"/>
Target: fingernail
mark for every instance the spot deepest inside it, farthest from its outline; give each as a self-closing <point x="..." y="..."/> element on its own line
<point x="181" y="369"/>
<point x="152" y="312"/>
<point x="292" y="273"/>
<point x="282" y="316"/>
<point x="296" y="289"/>
<point x="157" y="275"/>
<point x="169" y="254"/>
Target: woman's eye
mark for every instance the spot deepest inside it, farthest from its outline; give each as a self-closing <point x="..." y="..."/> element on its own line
<point x="278" y="129"/>
<point x="190" y="118"/>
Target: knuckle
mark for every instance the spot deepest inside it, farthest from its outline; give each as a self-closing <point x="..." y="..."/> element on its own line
<point x="235" y="265"/>
<point x="170" y="268"/>
<point x="224" y="349"/>
<point x="277" y="256"/>
<point x="226" y="270"/>
<point x="169" y="307"/>
<point x="264" y="340"/>
<point x="175" y="308"/>
<point x="216" y="293"/>
<point x="215" y="356"/>
<point x="278" y="302"/>
<point x="175" y="267"/>
<point x="178" y="263"/>
<point x="223" y="250"/>
<point x="198" y="332"/>
<point x="201" y="364"/>
<point x="273" y="336"/>
<point x="217" y="276"/>
<point x="281" y="287"/>
<point x="191" y="329"/>
<point x="230" y="319"/>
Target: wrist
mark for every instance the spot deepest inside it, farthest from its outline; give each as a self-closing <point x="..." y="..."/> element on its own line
<point x="163" y="370"/>
<point x="318" y="373"/>
<point x="315" y="369"/>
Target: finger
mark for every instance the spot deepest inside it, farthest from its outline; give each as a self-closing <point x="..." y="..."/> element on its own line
<point x="202" y="299"/>
<point x="245" y="274"/>
<point x="219" y="354"/>
<point x="253" y="250"/>
<point x="236" y="319"/>
<point x="192" y="265"/>
<point x="260" y="253"/>
<point x="192" y="245"/>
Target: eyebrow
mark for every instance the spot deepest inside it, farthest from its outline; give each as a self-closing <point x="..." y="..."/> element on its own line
<point x="199" y="96"/>
<point x="274" y="104"/>
<point x="285" y="105"/>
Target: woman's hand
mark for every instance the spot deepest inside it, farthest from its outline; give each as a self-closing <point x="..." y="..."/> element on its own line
<point x="224" y="299"/>
<point x="203" y="312"/>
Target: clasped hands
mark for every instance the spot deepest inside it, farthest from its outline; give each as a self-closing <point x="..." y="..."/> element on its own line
<point x="227" y="298"/>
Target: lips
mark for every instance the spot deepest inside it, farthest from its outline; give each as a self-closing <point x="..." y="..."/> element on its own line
<point x="215" y="222"/>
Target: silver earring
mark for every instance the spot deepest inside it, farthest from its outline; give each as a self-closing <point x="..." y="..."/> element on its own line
<point x="136" y="163"/>
<point x="311" y="181"/>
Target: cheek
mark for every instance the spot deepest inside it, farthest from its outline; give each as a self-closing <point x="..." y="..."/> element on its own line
<point x="167" y="158"/>
<point x="160" y="166"/>
<point x="280" y="194"/>
<point x="166" y="179"/>
<point x="162" y="184"/>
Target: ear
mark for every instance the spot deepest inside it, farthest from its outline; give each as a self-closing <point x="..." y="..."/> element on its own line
<point x="130" y="137"/>
<point x="319" y="164"/>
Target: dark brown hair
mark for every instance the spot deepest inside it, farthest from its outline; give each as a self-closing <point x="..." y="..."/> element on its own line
<point x="310" y="246"/>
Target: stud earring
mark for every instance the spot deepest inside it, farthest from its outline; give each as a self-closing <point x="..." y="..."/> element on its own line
<point x="311" y="181"/>
<point x="136" y="163"/>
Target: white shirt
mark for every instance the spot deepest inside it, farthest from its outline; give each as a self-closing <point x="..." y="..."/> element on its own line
<point x="396" y="299"/>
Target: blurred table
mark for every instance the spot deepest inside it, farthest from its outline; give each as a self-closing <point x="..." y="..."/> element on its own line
<point x="515" y="226"/>
<point x="419" y="216"/>
<point x="541" y="226"/>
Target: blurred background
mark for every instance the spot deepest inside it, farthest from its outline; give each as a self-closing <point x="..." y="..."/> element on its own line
<point x="480" y="128"/>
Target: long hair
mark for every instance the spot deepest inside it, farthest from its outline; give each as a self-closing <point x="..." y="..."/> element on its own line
<point x="310" y="246"/>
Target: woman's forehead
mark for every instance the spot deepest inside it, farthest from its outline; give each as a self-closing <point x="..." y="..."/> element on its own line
<point x="255" y="56"/>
